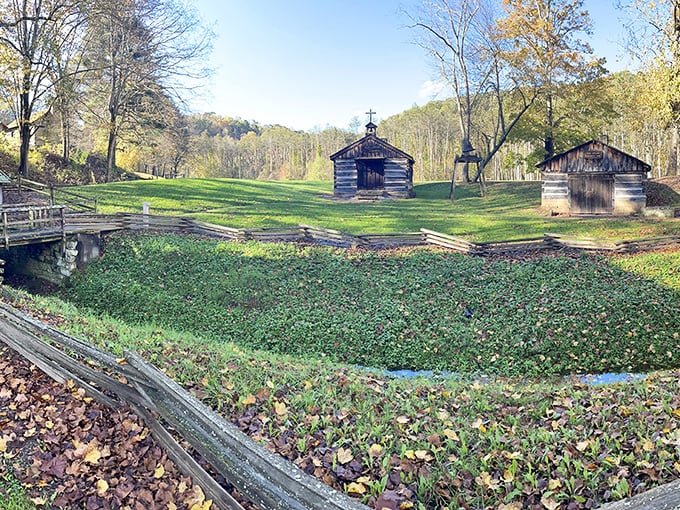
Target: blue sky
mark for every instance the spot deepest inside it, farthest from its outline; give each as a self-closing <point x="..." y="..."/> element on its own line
<point x="308" y="64"/>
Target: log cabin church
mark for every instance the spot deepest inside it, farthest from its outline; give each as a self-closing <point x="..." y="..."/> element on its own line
<point x="371" y="168"/>
<point x="594" y="178"/>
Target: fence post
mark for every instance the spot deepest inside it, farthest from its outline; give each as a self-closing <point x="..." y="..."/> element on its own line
<point x="145" y="212"/>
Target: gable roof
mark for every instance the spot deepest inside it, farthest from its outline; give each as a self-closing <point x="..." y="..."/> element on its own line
<point x="621" y="158"/>
<point x="368" y="146"/>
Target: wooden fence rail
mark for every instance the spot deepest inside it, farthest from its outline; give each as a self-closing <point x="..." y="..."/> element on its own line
<point x="302" y="232"/>
<point x="265" y="479"/>
<point x="59" y="195"/>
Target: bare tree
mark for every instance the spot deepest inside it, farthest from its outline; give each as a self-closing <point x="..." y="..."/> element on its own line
<point x="461" y="37"/>
<point x="141" y="50"/>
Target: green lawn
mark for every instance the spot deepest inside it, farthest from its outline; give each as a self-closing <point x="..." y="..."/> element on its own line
<point x="510" y="210"/>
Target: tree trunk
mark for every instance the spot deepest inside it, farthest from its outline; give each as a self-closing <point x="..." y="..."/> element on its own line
<point x="65" y="138"/>
<point x="24" y="127"/>
<point x="25" y="136"/>
<point x="111" y="155"/>
<point x="672" y="168"/>
<point x="549" y="139"/>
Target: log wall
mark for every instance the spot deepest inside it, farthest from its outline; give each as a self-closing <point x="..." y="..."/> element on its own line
<point x="398" y="178"/>
<point x="345" y="178"/>
<point x="555" y="192"/>
<point x="629" y="193"/>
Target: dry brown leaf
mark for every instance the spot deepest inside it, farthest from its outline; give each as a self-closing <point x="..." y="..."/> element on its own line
<point x="344" y="455"/>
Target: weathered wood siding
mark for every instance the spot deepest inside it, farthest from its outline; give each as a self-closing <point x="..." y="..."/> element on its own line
<point x="594" y="157"/>
<point x="630" y="195"/>
<point x="345" y="178"/>
<point x="591" y="193"/>
<point x="594" y="178"/>
<point x="555" y="193"/>
<point x="398" y="178"/>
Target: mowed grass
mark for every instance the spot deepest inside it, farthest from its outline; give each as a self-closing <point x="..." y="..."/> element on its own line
<point x="510" y="211"/>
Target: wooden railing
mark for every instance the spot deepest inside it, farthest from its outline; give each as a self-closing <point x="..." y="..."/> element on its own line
<point x="26" y="224"/>
<point x="59" y="195"/>
<point x="262" y="477"/>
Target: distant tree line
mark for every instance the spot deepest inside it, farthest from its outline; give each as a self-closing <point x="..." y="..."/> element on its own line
<point x="91" y="89"/>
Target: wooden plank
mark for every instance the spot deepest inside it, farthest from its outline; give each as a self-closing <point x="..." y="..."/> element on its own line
<point x="53" y="361"/>
<point x="54" y="366"/>
<point x="664" y="497"/>
<point x="185" y="462"/>
<point x="268" y="480"/>
<point x="34" y="326"/>
<point x="18" y="342"/>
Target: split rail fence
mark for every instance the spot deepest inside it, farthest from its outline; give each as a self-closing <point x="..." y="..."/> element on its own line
<point x="264" y="478"/>
<point x="307" y="233"/>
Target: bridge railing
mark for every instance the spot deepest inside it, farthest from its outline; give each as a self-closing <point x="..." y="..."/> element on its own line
<point x="59" y="194"/>
<point x="22" y="223"/>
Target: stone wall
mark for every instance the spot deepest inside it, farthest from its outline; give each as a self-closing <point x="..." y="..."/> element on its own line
<point x="52" y="262"/>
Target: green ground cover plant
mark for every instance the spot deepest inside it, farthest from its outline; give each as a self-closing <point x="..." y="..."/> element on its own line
<point x="429" y="443"/>
<point x="12" y="494"/>
<point x="397" y="309"/>
<point x="510" y="211"/>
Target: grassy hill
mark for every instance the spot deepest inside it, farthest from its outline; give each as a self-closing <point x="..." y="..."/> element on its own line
<point x="510" y="211"/>
<point x="269" y="335"/>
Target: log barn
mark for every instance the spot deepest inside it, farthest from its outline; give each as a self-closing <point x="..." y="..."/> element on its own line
<point x="372" y="168"/>
<point x="594" y="178"/>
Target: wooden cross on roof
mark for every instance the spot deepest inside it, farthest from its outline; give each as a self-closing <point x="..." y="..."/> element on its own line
<point x="370" y="114"/>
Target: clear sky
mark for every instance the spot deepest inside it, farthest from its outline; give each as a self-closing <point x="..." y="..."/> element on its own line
<point x="308" y="64"/>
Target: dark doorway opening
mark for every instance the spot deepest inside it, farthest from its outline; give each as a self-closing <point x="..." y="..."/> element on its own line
<point x="370" y="174"/>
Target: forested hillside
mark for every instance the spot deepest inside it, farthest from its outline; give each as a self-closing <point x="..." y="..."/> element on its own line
<point x="91" y="92"/>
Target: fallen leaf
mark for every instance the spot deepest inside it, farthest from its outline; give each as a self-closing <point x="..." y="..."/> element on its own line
<point x="159" y="471"/>
<point x="375" y="450"/>
<point x="249" y="400"/>
<point x="550" y="503"/>
<point x="510" y="506"/>
<point x="344" y="455"/>
<point x="92" y="456"/>
<point x="486" y="482"/>
<point x="195" y="497"/>
<point x="280" y="408"/>
<point x="102" y="487"/>
<point x="356" y="488"/>
<point x="582" y="445"/>
<point x="451" y="434"/>
<point x="423" y="455"/>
